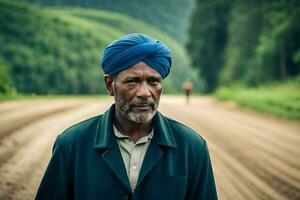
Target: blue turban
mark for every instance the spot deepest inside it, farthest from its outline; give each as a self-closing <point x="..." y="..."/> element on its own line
<point x="133" y="48"/>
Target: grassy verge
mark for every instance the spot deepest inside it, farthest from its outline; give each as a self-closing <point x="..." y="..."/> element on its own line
<point x="281" y="100"/>
<point x="5" y="97"/>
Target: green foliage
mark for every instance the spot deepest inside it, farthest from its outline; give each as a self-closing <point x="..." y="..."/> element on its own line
<point x="169" y="16"/>
<point x="275" y="56"/>
<point x="208" y="38"/>
<point x="279" y="99"/>
<point x="110" y="26"/>
<point x="46" y="55"/>
<point x="5" y="80"/>
<point x="56" y="51"/>
<point x="261" y="41"/>
<point x="244" y="28"/>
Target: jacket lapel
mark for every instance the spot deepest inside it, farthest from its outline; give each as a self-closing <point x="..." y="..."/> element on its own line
<point x="153" y="155"/>
<point x="113" y="158"/>
<point x="105" y="140"/>
<point x="163" y="137"/>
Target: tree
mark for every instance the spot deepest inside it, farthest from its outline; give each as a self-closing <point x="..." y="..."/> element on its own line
<point x="276" y="53"/>
<point x="208" y="38"/>
<point x="244" y="29"/>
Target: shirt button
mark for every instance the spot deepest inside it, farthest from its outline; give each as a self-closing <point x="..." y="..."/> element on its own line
<point x="134" y="167"/>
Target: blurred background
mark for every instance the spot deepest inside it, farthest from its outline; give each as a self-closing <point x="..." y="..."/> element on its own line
<point x="241" y="57"/>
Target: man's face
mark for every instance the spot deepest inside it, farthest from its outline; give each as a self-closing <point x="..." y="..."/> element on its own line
<point x="137" y="92"/>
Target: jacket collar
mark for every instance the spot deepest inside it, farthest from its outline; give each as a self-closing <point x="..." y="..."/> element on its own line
<point x="105" y="135"/>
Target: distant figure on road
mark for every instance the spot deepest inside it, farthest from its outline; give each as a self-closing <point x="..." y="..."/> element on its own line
<point x="187" y="86"/>
<point x="132" y="151"/>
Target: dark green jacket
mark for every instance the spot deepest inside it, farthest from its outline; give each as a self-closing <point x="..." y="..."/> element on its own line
<point x="87" y="164"/>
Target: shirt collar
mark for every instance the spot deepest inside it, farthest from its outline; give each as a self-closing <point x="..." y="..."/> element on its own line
<point x="162" y="132"/>
<point x="120" y="136"/>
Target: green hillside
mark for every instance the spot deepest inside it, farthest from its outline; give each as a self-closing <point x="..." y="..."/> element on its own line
<point x="170" y="16"/>
<point x="55" y="51"/>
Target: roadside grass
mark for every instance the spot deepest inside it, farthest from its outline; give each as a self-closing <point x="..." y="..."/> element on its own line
<point x="281" y="100"/>
<point x="6" y="97"/>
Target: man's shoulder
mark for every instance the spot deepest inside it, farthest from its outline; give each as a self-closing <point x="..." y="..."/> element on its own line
<point x="188" y="141"/>
<point x="81" y="130"/>
<point x="184" y="134"/>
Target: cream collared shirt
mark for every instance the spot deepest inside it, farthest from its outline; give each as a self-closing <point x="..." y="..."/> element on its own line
<point x="133" y="154"/>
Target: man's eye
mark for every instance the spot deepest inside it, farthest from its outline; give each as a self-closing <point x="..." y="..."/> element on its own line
<point x="131" y="82"/>
<point x="153" y="82"/>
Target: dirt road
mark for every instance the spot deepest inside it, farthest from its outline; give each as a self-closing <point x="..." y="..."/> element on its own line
<point x="254" y="156"/>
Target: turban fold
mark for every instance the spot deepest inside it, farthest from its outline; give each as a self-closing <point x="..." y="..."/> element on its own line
<point x="133" y="48"/>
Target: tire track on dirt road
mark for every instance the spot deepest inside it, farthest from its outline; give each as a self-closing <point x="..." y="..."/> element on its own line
<point x="12" y="105"/>
<point x="224" y="128"/>
<point x="229" y="185"/>
<point x="23" y="166"/>
<point x="15" y="140"/>
<point x="279" y="182"/>
<point x="20" y="117"/>
<point x="246" y="178"/>
<point x="254" y="157"/>
<point x="243" y="133"/>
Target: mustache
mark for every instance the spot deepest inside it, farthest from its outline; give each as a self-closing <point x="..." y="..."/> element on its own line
<point x="141" y="102"/>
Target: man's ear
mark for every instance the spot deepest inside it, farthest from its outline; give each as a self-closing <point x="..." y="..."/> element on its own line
<point x="108" y="80"/>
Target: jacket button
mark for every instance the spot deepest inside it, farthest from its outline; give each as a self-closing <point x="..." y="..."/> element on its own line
<point x="126" y="197"/>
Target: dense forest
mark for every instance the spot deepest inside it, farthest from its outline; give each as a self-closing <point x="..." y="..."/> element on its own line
<point x="169" y="16"/>
<point x="57" y="51"/>
<point x="245" y="42"/>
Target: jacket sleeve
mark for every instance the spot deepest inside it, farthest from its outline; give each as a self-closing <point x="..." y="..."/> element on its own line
<point x="202" y="184"/>
<point x="56" y="182"/>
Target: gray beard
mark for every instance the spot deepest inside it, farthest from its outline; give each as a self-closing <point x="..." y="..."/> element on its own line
<point x="138" y="117"/>
<point x="141" y="116"/>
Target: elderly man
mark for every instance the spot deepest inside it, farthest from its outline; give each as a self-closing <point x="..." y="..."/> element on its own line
<point x="131" y="151"/>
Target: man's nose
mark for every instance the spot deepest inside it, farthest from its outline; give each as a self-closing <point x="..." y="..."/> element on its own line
<point x="144" y="91"/>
